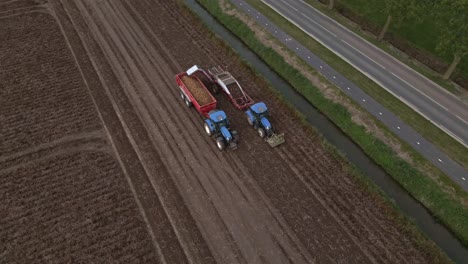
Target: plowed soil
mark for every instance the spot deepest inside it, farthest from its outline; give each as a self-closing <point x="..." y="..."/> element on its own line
<point x="102" y="161"/>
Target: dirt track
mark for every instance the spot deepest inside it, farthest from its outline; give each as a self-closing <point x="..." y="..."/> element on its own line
<point x="292" y="204"/>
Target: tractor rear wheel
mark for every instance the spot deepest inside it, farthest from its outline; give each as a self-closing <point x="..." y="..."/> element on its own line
<point x="208" y="130"/>
<point x="188" y="103"/>
<point x="261" y="132"/>
<point x="235" y="136"/>
<point x="220" y="143"/>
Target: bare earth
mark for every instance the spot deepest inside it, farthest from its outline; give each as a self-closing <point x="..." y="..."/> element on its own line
<point x="100" y="160"/>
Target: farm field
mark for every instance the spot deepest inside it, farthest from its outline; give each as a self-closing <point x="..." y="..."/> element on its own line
<point x="100" y="160"/>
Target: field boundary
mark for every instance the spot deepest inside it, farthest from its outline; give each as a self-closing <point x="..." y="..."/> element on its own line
<point x="444" y="207"/>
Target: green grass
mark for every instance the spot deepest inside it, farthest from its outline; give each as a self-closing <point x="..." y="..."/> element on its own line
<point x="443" y="206"/>
<point x="451" y="147"/>
<point x="387" y="47"/>
<point x="422" y="33"/>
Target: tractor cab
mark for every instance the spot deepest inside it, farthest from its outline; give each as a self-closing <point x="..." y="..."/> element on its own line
<point x="219" y="119"/>
<point x="260" y="110"/>
<point x="257" y="116"/>
<point x="217" y="124"/>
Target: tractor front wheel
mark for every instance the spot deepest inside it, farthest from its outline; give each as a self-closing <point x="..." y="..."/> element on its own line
<point x="261" y="132"/>
<point x="250" y="121"/>
<point x="220" y="143"/>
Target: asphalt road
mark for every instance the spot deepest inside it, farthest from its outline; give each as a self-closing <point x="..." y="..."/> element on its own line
<point x="395" y="124"/>
<point x="420" y="93"/>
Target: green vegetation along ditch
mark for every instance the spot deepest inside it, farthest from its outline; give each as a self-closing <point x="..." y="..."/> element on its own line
<point x="417" y="30"/>
<point x="445" y="208"/>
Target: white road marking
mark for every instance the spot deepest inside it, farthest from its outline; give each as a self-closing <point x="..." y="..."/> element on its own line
<point x="462" y="119"/>
<point x="364" y="72"/>
<point x="419" y="91"/>
<point x="313" y="21"/>
<point x="380" y="50"/>
<point x="290" y="5"/>
<point x="360" y="52"/>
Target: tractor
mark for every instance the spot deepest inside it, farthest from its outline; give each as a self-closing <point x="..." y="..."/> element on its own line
<point x="257" y="116"/>
<point x="217" y="125"/>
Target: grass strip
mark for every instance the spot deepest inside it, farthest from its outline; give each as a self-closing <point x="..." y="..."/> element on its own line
<point x="388" y="47"/>
<point x="439" y="138"/>
<point x="420" y="31"/>
<point x="442" y="205"/>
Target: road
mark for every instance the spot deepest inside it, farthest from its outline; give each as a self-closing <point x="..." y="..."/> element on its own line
<point x="430" y="100"/>
<point x="456" y="172"/>
<point x="252" y="205"/>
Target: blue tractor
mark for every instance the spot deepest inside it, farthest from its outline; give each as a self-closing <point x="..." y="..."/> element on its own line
<point x="257" y="116"/>
<point x="217" y="125"/>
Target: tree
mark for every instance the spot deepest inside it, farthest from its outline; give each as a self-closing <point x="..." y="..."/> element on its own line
<point x="453" y="35"/>
<point x="397" y="11"/>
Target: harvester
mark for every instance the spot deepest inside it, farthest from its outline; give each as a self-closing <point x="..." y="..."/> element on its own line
<point x="257" y="116"/>
<point x="217" y="125"/>
<point x="231" y="87"/>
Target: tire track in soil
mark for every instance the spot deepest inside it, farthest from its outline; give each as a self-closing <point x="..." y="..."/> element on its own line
<point x="63" y="200"/>
<point x="155" y="109"/>
<point x="134" y="67"/>
<point x="362" y="220"/>
<point x="19" y="7"/>
<point x="92" y="140"/>
<point x="148" y="201"/>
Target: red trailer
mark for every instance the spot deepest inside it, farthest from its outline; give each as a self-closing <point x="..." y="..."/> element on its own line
<point x="194" y="92"/>
<point x="231" y="87"/>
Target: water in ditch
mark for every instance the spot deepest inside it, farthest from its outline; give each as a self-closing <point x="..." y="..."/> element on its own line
<point x="412" y="208"/>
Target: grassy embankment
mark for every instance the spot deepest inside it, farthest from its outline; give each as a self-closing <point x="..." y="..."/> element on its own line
<point x="387" y="46"/>
<point x="442" y="140"/>
<point x="445" y="208"/>
<point x="421" y="34"/>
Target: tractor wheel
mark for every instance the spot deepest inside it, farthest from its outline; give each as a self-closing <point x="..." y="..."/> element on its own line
<point x="220" y="143"/>
<point x="261" y="132"/>
<point x="188" y="103"/>
<point x="208" y="130"/>
<point x="250" y="121"/>
<point x="235" y="136"/>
